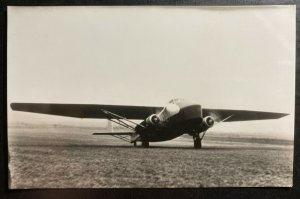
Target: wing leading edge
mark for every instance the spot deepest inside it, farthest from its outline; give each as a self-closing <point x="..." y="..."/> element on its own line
<point x="135" y="112"/>
<point x="86" y="110"/>
<point x="240" y="115"/>
<point x="115" y="133"/>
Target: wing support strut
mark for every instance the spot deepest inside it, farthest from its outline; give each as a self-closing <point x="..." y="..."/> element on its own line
<point x="119" y="120"/>
<point x="122" y="138"/>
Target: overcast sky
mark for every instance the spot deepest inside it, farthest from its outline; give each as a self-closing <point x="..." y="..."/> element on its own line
<point x="219" y="57"/>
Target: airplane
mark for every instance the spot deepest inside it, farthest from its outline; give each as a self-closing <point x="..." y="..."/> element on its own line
<point x="158" y="124"/>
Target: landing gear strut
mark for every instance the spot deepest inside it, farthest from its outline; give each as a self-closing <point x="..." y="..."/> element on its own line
<point x="197" y="142"/>
<point x="145" y="144"/>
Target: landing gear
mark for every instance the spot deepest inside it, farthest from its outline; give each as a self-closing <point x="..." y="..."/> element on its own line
<point x="134" y="144"/>
<point x="145" y="144"/>
<point x="197" y="142"/>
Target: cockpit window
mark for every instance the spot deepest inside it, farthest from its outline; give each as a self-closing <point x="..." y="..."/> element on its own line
<point x="176" y="100"/>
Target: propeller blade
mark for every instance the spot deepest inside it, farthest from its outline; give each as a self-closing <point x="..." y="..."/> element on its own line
<point x="223" y="120"/>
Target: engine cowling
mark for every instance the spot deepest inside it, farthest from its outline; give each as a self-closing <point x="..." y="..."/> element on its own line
<point x="208" y="121"/>
<point x="152" y="120"/>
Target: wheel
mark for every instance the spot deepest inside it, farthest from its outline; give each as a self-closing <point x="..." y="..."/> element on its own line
<point x="145" y="144"/>
<point x="134" y="144"/>
<point x="197" y="142"/>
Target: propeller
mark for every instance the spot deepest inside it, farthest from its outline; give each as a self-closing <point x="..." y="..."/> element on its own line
<point x="218" y="121"/>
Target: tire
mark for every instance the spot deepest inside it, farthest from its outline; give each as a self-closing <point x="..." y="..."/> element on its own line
<point x="197" y="143"/>
<point x="145" y="144"/>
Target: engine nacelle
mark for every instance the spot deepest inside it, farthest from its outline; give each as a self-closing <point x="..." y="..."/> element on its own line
<point x="208" y="122"/>
<point x="152" y="120"/>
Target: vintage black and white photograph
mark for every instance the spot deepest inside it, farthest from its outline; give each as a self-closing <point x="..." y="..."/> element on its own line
<point x="150" y="96"/>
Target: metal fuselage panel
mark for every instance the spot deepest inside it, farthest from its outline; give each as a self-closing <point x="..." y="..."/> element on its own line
<point x="187" y="120"/>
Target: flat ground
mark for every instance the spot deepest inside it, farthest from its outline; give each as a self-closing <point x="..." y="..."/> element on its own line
<point x="70" y="157"/>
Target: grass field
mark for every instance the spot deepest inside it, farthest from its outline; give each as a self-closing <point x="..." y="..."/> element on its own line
<point x="70" y="157"/>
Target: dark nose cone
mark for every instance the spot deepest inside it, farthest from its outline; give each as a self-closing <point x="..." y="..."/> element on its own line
<point x="210" y="121"/>
<point x="155" y="119"/>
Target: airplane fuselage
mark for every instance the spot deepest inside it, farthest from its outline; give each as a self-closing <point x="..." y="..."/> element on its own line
<point x="176" y="119"/>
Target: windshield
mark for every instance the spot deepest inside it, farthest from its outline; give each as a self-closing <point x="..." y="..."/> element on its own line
<point x="176" y="100"/>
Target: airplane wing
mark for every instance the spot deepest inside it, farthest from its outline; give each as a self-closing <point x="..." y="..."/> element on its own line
<point x="135" y="112"/>
<point x="115" y="133"/>
<point x="87" y="110"/>
<point x="240" y="115"/>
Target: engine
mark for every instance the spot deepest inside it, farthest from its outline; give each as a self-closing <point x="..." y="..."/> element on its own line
<point x="152" y="120"/>
<point x="207" y="122"/>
